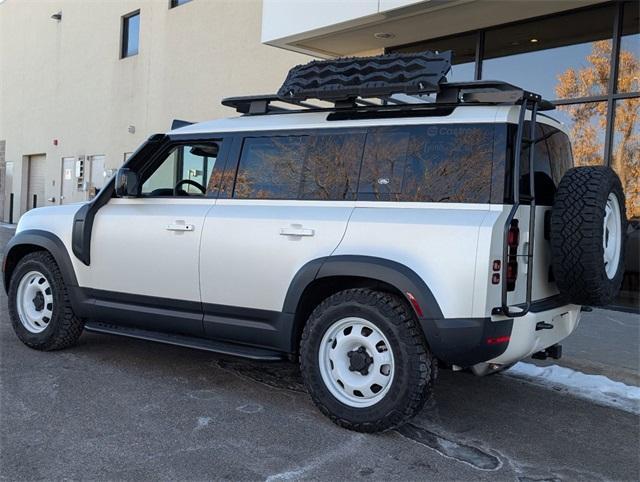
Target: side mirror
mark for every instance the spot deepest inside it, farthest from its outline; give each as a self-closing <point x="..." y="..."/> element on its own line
<point x="127" y="183"/>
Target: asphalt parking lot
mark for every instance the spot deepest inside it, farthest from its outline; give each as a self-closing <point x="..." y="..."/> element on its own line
<point x="115" y="408"/>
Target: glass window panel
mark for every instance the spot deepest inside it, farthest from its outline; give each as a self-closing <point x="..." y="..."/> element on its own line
<point x="332" y="166"/>
<point x="629" y="67"/>
<point x="175" y="3"/>
<point x="552" y="159"/>
<point x="437" y="163"/>
<point x="270" y="168"/>
<point x="197" y="165"/>
<point x="191" y="162"/>
<point x="464" y="54"/>
<point x="560" y="154"/>
<point x="544" y="185"/>
<point x="586" y="124"/>
<point x="625" y="157"/>
<point x="323" y="167"/>
<point x="163" y="178"/>
<point x="130" y="35"/>
<point x="566" y="56"/>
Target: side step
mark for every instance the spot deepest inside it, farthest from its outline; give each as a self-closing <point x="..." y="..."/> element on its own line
<point x="187" y="341"/>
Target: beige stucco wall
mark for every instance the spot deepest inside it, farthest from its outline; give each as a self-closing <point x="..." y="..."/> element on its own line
<point x="65" y="80"/>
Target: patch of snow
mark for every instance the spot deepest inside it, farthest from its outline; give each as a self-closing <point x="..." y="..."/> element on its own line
<point x="202" y="422"/>
<point x="597" y="388"/>
<point x="250" y="408"/>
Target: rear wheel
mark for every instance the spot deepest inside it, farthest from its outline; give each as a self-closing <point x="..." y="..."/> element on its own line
<point x="364" y="360"/>
<point x="39" y="305"/>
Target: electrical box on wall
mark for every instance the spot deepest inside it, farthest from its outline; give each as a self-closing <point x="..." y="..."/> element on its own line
<point x="80" y="174"/>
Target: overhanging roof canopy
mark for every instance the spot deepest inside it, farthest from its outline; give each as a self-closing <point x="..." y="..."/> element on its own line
<point x="332" y="28"/>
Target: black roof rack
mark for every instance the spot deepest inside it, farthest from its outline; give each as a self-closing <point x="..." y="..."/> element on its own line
<point x="371" y="83"/>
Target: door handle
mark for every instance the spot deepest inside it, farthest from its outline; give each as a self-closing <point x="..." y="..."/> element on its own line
<point x="180" y="227"/>
<point x="296" y="231"/>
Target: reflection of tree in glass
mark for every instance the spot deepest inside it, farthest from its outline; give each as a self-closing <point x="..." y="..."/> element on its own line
<point x="309" y="167"/>
<point x="331" y="167"/>
<point x="587" y="149"/>
<point x="459" y="171"/>
<point x="270" y="168"/>
<point x="451" y="164"/>
<point x="384" y="164"/>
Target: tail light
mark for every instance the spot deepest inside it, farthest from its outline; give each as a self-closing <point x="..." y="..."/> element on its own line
<point x="514" y="235"/>
<point x="513" y="239"/>
<point x="512" y="275"/>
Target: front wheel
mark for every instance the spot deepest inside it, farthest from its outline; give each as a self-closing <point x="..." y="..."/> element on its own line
<point x="39" y="305"/>
<point x="365" y="362"/>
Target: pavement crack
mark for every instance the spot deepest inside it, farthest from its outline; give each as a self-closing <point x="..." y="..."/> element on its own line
<point x="467" y="454"/>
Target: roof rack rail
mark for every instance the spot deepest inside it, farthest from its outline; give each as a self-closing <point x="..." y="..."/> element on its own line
<point x="353" y="83"/>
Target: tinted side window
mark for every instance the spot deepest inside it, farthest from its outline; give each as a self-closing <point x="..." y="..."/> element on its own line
<point x="544" y="185"/>
<point x="436" y="163"/>
<point x="318" y="167"/>
<point x="552" y="159"/>
<point x="559" y="151"/>
<point x="189" y="165"/>
<point x="331" y="167"/>
<point x="270" y="168"/>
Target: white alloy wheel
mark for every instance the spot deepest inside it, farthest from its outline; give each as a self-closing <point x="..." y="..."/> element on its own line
<point x="34" y="302"/>
<point x="356" y="362"/>
<point x="612" y="236"/>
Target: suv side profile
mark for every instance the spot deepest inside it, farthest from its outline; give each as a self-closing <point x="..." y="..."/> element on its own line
<point x="373" y="242"/>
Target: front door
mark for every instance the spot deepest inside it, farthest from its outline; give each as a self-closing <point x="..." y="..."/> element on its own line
<point x="289" y="204"/>
<point x="144" y="251"/>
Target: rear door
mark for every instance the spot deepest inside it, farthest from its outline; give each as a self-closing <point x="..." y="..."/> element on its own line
<point x="552" y="159"/>
<point x="286" y="201"/>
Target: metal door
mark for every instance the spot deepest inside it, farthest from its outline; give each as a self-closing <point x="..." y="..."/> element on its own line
<point x="68" y="180"/>
<point x="36" y="179"/>
<point x="97" y="175"/>
<point x="8" y="191"/>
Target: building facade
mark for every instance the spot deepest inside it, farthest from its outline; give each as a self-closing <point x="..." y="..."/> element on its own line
<point x="86" y="82"/>
<point x="584" y="55"/>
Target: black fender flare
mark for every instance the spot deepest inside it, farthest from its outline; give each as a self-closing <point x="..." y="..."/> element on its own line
<point x="398" y="275"/>
<point x="47" y="241"/>
<point x="393" y="273"/>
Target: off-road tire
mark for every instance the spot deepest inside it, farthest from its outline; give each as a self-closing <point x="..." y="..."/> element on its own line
<point x="577" y="232"/>
<point x="415" y="368"/>
<point x="65" y="327"/>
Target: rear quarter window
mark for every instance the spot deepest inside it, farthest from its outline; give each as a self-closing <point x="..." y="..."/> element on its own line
<point x="552" y="158"/>
<point x="428" y="163"/>
<point x="559" y="152"/>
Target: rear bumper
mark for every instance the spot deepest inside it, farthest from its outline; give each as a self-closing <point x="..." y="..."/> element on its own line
<point x="527" y="337"/>
<point x="467" y="341"/>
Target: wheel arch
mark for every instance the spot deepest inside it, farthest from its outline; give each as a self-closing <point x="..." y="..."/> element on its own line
<point x="32" y="240"/>
<point x="323" y="277"/>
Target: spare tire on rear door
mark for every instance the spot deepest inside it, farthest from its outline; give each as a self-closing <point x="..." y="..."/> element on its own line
<point x="588" y="230"/>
